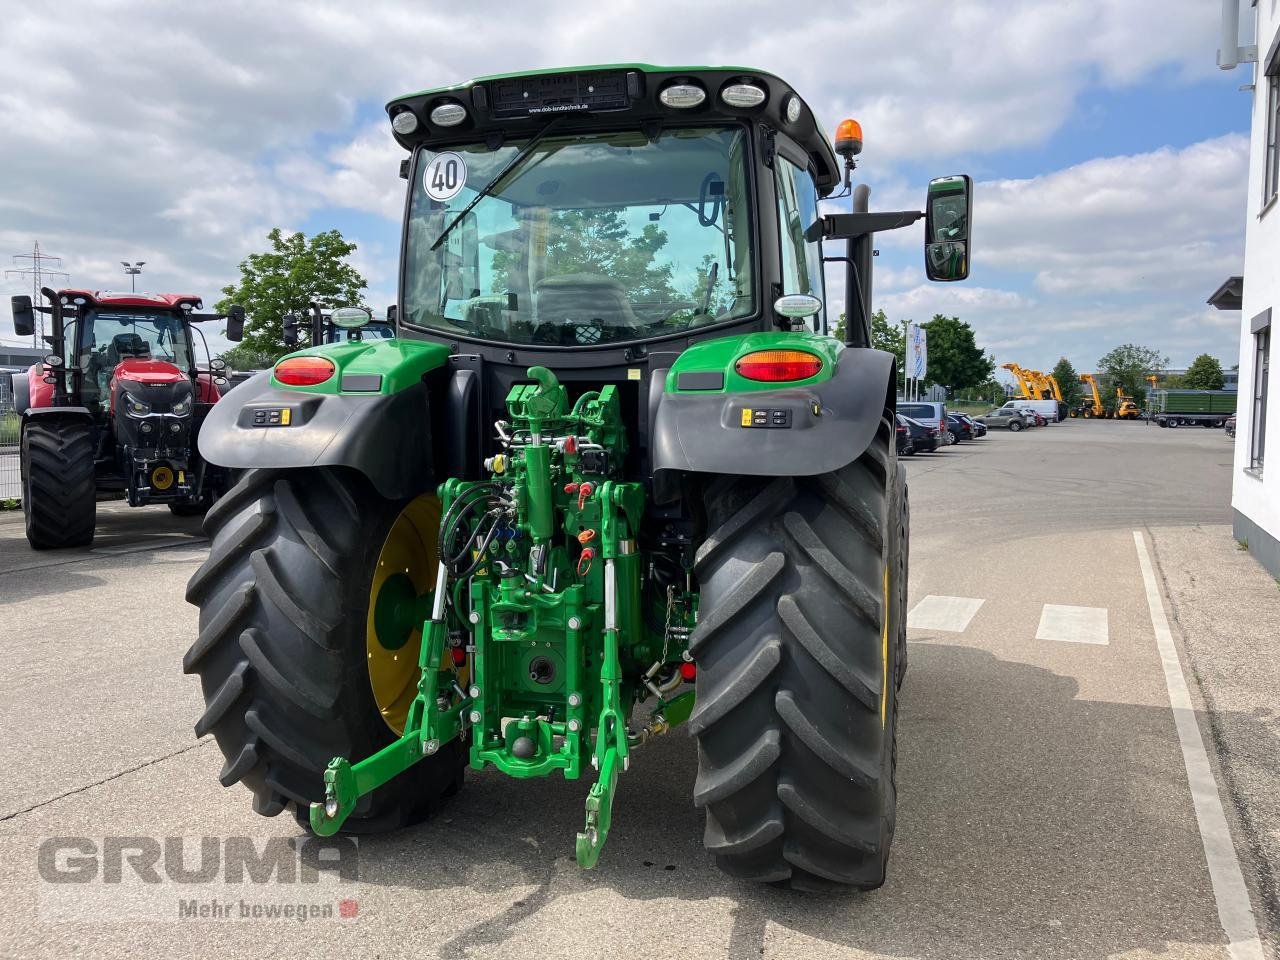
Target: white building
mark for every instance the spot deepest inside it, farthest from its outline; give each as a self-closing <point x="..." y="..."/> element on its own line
<point x="1255" y="499"/>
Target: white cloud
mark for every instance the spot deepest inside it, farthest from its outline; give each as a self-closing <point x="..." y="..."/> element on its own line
<point x="1168" y="219"/>
<point x="183" y="132"/>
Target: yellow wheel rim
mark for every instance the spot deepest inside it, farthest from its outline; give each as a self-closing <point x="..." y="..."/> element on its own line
<point x="884" y="655"/>
<point x="405" y="569"/>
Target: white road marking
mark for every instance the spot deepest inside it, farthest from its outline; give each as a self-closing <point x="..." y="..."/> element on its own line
<point x="1073" y="624"/>
<point x="1229" y="890"/>
<point x="951" y="614"/>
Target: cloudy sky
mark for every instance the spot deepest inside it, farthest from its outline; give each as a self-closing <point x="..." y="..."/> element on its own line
<point x="1109" y="150"/>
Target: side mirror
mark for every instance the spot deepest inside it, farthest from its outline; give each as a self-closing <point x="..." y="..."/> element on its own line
<point x="289" y="326"/>
<point x="235" y="323"/>
<point x="948" y="215"/>
<point x="24" y="318"/>
<point x="350" y="318"/>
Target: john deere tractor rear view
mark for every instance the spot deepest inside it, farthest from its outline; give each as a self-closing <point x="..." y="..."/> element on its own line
<point x="611" y="477"/>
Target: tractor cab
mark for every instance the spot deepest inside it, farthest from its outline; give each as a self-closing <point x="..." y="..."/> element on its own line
<point x="122" y="375"/>
<point x="326" y="325"/>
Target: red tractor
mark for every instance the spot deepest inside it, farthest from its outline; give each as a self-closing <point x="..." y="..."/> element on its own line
<point x="114" y="409"/>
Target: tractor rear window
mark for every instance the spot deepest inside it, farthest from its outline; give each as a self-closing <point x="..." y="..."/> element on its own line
<point x="590" y="239"/>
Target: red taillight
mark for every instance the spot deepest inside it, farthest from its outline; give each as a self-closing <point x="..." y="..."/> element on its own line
<point x="901" y="428"/>
<point x="304" y="371"/>
<point x="777" y="366"/>
<point x="689" y="671"/>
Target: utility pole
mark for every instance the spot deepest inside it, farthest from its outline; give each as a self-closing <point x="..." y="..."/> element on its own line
<point x="41" y="266"/>
<point x="133" y="270"/>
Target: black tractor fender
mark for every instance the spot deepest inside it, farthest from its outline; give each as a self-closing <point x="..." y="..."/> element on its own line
<point x="20" y="390"/>
<point x="385" y="436"/>
<point x="48" y="414"/>
<point x="798" y="431"/>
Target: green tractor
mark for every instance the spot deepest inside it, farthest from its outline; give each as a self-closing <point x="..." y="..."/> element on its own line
<point x="612" y="476"/>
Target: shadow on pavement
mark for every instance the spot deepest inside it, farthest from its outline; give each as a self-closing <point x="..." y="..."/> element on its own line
<point x="1030" y="823"/>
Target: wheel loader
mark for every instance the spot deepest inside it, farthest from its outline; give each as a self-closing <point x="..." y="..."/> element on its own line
<point x="612" y="477"/>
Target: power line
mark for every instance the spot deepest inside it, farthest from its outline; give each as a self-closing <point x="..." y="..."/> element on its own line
<point x="38" y="272"/>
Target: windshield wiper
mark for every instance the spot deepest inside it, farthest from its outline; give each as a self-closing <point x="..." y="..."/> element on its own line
<point x="519" y="158"/>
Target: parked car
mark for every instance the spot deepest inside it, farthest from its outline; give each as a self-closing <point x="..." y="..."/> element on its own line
<point x="930" y="414"/>
<point x="979" y="429"/>
<point x="1229" y="425"/>
<point x="1049" y="409"/>
<point x="924" y="438"/>
<point x="905" y="447"/>
<point x="961" y="427"/>
<point x="1006" y="417"/>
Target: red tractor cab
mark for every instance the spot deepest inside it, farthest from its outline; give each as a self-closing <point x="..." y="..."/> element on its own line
<point x="114" y="409"/>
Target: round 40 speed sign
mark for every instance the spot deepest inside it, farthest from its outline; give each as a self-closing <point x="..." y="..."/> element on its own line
<point x="444" y="176"/>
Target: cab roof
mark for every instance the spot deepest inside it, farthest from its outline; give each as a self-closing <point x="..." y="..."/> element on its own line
<point x="622" y="94"/>
<point x="110" y="298"/>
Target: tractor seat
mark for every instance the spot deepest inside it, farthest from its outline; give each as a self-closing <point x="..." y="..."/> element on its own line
<point x="127" y="345"/>
<point x="583" y="298"/>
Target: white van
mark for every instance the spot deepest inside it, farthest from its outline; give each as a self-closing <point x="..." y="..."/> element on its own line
<point x="1048" y="409"/>
<point x="930" y="414"/>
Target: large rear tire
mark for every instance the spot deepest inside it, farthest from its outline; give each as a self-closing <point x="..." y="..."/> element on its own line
<point x="282" y="656"/>
<point x="797" y="651"/>
<point x="59" y="493"/>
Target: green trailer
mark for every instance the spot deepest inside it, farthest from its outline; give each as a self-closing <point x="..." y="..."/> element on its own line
<point x="1185" y="408"/>
<point x="612" y="476"/>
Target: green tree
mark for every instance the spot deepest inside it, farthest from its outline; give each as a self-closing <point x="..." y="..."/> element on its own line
<point x="955" y="360"/>
<point x="242" y="357"/>
<point x="1127" y="367"/>
<point x="284" y="279"/>
<point x="1205" y="373"/>
<point x="885" y="335"/>
<point x="1068" y="382"/>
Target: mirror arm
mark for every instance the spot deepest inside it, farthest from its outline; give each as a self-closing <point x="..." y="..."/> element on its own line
<point x="847" y="226"/>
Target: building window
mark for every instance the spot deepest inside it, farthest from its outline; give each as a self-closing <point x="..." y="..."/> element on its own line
<point x="1261" y="374"/>
<point x="1271" y="162"/>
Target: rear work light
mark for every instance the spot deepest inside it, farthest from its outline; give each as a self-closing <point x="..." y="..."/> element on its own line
<point x="304" y="371"/>
<point x="778" y="366"/>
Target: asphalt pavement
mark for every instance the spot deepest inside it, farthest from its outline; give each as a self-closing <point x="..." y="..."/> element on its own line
<point x="1044" y="810"/>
